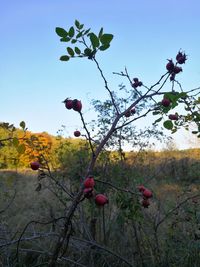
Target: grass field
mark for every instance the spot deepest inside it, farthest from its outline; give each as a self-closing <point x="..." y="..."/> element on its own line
<point x="122" y="234"/>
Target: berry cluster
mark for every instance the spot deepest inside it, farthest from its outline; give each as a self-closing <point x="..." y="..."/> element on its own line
<point x="136" y="83"/>
<point x="73" y="104"/>
<point x="172" y="68"/>
<point x="88" y="191"/>
<point x="166" y="103"/>
<point x="146" y="194"/>
<point x="130" y="112"/>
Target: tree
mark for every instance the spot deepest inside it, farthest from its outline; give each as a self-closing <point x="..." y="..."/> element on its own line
<point x="119" y="111"/>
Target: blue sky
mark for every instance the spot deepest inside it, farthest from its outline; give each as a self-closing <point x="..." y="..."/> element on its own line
<point x="33" y="80"/>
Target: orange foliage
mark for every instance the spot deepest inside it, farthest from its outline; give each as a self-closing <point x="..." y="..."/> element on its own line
<point x="38" y="147"/>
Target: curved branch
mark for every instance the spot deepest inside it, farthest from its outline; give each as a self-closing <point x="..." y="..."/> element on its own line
<point x="106" y="85"/>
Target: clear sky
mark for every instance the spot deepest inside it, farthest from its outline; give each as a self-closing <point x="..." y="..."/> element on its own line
<point x="33" y="81"/>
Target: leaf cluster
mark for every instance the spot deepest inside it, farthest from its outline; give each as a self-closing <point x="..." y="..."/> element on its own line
<point x="84" y="42"/>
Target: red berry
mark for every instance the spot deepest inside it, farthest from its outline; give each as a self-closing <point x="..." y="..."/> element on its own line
<point x="35" y="165"/>
<point x="127" y="114"/>
<point x="68" y="103"/>
<point x="173" y="117"/>
<point x="145" y="203"/>
<point x="88" y="192"/>
<point x="181" y="57"/>
<point x="101" y="200"/>
<point x="89" y="182"/>
<point x="172" y="77"/>
<point x="177" y="69"/>
<point x="147" y="193"/>
<point x="166" y="102"/>
<point x="182" y="60"/>
<point x="170" y="66"/>
<point x="130" y="112"/>
<point x="76" y="105"/>
<point x="77" y="133"/>
<point x="133" y="111"/>
<point x="136" y="83"/>
<point x="141" y="188"/>
<point x="140" y="83"/>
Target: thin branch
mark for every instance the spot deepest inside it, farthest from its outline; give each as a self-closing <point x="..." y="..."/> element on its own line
<point x="106" y="85"/>
<point x="88" y="134"/>
<point x="8" y="205"/>
<point x="29" y="223"/>
<point x="117" y="188"/>
<point x="139" y="117"/>
<point x="174" y="209"/>
<point x="94" y="244"/>
<point x="27" y="239"/>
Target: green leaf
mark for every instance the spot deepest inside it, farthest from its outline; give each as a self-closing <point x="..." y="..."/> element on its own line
<point x="77" y="23"/>
<point x="61" y="32"/>
<point x="158" y="120"/>
<point x="70" y="51"/>
<point x="22" y="125"/>
<point x="64" y="58"/>
<point x="183" y="95"/>
<point x="168" y="124"/>
<point x="80" y="34"/>
<point x="87" y="31"/>
<point x="87" y="52"/>
<point x="94" y="40"/>
<point x="65" y="39"/>
<point x="156" y="112"/>
<point x="100" y="32"/>
<point x="104" y="47"/>
<point x="174" y="130"/>
<point x="195" y="132"/>
<point x="106" y="38"/>
<point x="21" y="149"/>
<point x="73" y="41"/>
<point x="81" y="26"/>
<point x="15" y="141"/>
<point x="77" y="50"/>
<point x="71" y="32"/>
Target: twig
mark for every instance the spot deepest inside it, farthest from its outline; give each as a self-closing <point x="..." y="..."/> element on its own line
<point x="117" y="188"/>
<point x="88" y="133"/>
<point x="8" y="205"/>
<point x="29" y="223"/>
<point x="174" y="209"/>
<point x="106" y="85"/>
<point x="94" y="244"/>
